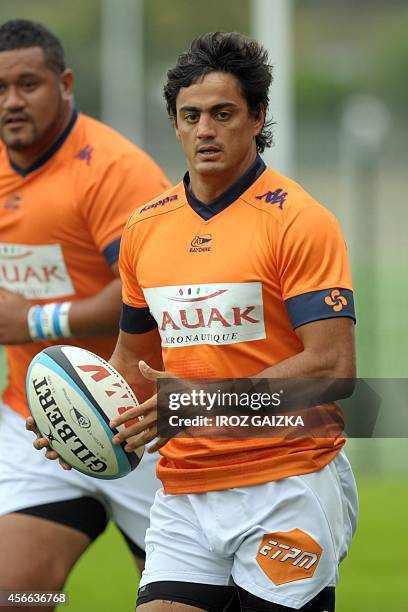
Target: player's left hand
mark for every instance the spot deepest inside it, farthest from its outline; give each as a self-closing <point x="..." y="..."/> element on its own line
<point x="42" y="442"/>
<point x="145" y="430"/>
<point x="13" y="318"/>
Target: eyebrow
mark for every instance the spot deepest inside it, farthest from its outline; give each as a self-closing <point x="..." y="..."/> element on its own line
<point x="213" y="108"/>
<point x="22" y="75"/>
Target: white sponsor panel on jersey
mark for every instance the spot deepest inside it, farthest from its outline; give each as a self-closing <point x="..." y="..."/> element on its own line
<point x="219" y="313"/>
<point x="35" y="271"/>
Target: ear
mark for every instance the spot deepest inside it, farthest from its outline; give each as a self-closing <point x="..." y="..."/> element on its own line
<point x="174" y="124"/>
<point x="67" y="83"/>
<point x="259" y="121"/>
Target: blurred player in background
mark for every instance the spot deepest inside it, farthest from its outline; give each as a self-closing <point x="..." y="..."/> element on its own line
<point x="256" y="283"/>
<point x="67" y="186"/>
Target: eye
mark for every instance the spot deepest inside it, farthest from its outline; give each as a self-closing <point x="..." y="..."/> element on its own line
<point x="2" y="88"/>
<point x="28" y="85"/>
<point x="191" y="117"/>
<point x="223" y="115"/>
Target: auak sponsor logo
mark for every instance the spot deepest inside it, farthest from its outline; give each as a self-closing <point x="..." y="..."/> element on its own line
<point x="208" y="314"/>
<point x="200" y="244"/>
<point x="159" y="203"/>
<point x="35" y="271"/>
<point x="274" y="197"/>
<point x="65" y="432"/>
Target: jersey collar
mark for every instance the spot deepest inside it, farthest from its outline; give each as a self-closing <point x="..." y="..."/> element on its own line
<point x="207" y="211"/>
<point x="51" y="151"/>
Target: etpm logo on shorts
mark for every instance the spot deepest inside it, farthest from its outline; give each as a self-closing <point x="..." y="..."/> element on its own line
<point x="287" y="556"/>
<point x="219" y="313"/>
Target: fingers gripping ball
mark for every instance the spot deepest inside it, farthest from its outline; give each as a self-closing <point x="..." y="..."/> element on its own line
<point x="73" y="395"/>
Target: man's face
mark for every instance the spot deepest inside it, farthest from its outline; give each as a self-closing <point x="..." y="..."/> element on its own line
<point x="215" y="127"/>
<point x="33" y="98"/>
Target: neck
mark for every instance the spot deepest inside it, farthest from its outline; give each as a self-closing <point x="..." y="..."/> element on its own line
<point x="207" y="187"/>
<point x="25" y="158"/>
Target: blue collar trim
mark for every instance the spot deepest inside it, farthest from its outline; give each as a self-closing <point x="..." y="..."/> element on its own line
<point x="207" y="211"/>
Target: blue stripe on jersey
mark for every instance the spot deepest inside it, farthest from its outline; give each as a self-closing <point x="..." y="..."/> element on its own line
<point x="317" y="305"/>
<point x="136" y="320"/>
<point x="111" y="252"/>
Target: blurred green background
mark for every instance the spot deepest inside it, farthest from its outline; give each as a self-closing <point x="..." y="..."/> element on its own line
<point x="342" y="51"/>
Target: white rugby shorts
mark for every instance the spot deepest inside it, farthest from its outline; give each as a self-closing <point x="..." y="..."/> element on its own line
<point x="28" y="479"/>
<point x="281" y="541"/>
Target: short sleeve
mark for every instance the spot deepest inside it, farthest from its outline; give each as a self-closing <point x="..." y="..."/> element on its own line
<point x="314" y="268"/>
<point x="135" y="317"/>
<point x="127" y="182"/>
<point x="132" y="294"/>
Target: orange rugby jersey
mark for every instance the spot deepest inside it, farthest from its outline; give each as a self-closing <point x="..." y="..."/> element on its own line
<point x="60" y="225"/>
<point x="227" y="285"/>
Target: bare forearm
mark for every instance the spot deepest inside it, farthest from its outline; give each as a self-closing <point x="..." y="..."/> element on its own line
<point x="99" y="314"/>
<point x="309" y="364"/>
<point x="126" y="358"/>
<point x="328" y="352"/>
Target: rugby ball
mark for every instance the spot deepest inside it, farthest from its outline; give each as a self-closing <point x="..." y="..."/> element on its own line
<point x="73" y="395"/>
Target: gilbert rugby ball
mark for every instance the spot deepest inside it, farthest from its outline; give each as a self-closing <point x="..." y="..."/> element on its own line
<point x="72" y="395"/>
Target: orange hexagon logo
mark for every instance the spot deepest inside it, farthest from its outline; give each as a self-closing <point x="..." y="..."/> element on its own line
<point x="286" y="556"/>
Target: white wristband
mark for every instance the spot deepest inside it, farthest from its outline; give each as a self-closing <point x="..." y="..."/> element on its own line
<point x="49" y="321"/>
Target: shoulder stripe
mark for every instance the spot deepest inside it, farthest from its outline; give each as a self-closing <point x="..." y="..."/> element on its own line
<point x="136" y="320"/>
<point x="317" y="305"/>
<point x="111" y="252"/>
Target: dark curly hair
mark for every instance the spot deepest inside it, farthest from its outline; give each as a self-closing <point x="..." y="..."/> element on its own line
<point x="23" y="34"/>
<point x="234" y="54"/>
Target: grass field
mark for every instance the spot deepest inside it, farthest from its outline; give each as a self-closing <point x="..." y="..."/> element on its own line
<point x="373" y="577"/>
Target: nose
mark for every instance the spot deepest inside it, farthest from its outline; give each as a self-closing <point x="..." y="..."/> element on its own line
<point x="205" y="127"/>
<point x="12" y="100"/>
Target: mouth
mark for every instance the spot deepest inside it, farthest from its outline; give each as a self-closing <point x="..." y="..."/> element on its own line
<point x="13" y="122"/>
<point x="209" y="152"/>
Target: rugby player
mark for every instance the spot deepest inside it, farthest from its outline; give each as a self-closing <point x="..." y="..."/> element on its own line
<point x="68" y="183"/>
<point x="269" y="294"/>
<point x="253" y="281"/>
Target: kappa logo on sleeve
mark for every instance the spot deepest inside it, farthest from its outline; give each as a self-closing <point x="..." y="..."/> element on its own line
<point x="336" y="300"/>
<point x="274" y="197"/>
<point x="159" y="203"/>
<point x="287" y="556"/>
<point x="85" y="154"/>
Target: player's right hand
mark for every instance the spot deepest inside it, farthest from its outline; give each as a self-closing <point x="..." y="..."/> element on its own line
<point x="41" y="442"/>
